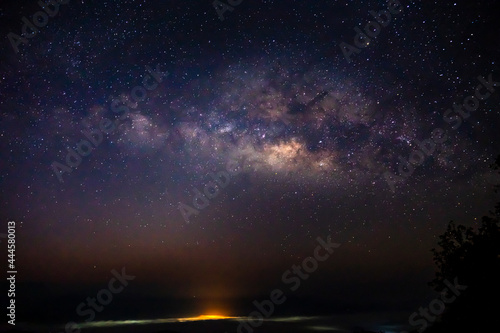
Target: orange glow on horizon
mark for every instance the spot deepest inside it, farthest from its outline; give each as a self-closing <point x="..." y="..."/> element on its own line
<point x="213" y="316"/>
<point x="207" y="317"/>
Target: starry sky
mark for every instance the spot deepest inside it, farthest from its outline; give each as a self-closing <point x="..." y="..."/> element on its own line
<point x="304" y="142"/>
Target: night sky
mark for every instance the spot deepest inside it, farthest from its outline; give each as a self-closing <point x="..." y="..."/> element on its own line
<point x="376" y="143"/>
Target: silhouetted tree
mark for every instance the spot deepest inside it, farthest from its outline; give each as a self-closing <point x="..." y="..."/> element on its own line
<point x="473" y="259"/>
